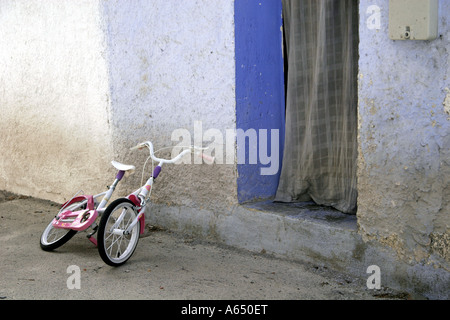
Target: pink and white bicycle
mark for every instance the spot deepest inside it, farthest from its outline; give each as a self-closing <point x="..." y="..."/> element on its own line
<point x="120" y="224"/>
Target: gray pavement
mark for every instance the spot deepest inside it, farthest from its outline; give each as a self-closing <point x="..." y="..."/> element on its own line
<point x="165" y="266"/>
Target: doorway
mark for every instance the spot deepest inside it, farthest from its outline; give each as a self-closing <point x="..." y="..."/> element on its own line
<point x="321" y="66"/>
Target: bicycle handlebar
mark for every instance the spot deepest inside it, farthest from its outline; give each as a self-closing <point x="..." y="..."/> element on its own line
<point x="149" y="145"/>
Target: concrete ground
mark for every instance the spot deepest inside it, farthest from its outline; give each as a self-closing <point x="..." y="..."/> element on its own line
<point x="165" y="266"/>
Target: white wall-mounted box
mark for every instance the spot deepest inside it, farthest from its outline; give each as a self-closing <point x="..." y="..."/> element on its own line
<point x="413" y="19"/>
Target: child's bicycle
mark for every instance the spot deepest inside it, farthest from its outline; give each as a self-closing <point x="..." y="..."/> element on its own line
<point x="120" y="224"/>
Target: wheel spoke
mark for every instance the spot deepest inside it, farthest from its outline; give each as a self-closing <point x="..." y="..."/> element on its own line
<point x="117" y="247"/>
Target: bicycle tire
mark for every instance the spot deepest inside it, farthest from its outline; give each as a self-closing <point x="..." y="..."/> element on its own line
<point x="109" y="244"/>
<point x="59" y="236"/>
<point x="50" y="246"/>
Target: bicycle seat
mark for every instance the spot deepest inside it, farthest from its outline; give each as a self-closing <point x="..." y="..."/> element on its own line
<point x="122" y="167"/>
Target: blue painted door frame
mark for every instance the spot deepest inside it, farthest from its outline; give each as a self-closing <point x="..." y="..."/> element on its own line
<point x="260" y="100"/>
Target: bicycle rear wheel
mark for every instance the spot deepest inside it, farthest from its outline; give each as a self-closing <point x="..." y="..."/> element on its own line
<point x="52" y="237"/>
<point x="115" y="247"/>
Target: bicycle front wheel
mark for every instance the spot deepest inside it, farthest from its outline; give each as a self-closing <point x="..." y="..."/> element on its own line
<point x="114" y="246"/>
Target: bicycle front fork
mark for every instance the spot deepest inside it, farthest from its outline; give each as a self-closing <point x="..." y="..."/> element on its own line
<point x="139" y="215"/>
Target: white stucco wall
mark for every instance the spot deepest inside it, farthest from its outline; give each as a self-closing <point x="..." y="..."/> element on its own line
<point x="170" y="65"/>
<point x="82" y="81"/>
<point x="54" y="98"/>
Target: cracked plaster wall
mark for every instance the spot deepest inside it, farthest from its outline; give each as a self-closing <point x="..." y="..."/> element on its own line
<point x="404" y="140"/>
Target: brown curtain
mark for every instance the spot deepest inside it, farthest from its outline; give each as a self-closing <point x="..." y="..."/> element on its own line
<point x="319" y="161"/>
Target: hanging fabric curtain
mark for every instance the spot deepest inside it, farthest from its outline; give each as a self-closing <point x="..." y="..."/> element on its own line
<point x="319" y="161"/>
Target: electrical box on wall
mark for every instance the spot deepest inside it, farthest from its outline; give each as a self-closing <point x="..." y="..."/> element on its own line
<point x="413" y="19"/>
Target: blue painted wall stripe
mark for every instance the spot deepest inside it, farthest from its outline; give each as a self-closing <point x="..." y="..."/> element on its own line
<point x="259" y="87"/>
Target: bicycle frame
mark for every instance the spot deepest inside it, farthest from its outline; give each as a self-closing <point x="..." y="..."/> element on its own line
<point x="139" y="197"/>
<point x="82" y="219"/>
<point x="140" y="200"/>
<point x="81" y="211"/>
